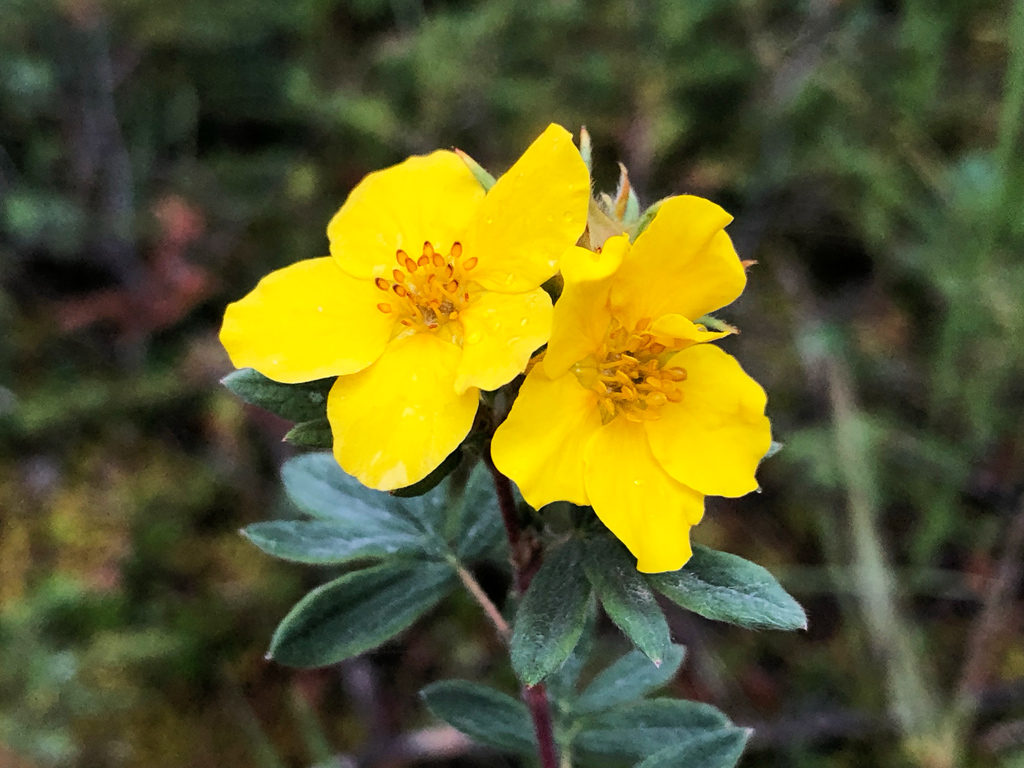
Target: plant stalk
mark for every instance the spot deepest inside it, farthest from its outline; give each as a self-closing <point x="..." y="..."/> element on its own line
<point x="524" y="564"/>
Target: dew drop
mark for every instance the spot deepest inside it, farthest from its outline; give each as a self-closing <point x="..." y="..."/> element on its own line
<point x="523" y="322"/>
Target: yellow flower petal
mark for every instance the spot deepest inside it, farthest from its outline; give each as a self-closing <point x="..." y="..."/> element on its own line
<point x="542" y="443"/>
<point x="426" y="198"/>
<point x="396" y="421"/>
<point x="645" y="508"/>
<point x="531" y="215"/>
<point x="582" y="316"/>
<point x="307" y="321"/>
<point x="714" y="438"/>
<point x="683" y="263"/>
<point x="500" y="333"/>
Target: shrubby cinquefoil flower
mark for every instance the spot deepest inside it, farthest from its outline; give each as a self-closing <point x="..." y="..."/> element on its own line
<point x="630" y="411"/>
<point x="431" y="293"/>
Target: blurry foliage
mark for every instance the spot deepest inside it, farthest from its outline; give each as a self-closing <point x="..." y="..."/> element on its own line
<point x="156" y="157"/>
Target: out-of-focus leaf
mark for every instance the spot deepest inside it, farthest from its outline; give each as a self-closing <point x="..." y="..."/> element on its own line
<point x="725" y="587"/>
<point x="551" y="617"/>
<point x="714" y="750"/>
<point x="483" y="714"/>
<point x="359" y="611"/>
<point x="479" y="529"/>
<point x="295" y="402"/>
<point x="640" y="730"/>
<point x="626" y="596"/>
<point x="630" y="678"/>
<point x="318" y="542"/>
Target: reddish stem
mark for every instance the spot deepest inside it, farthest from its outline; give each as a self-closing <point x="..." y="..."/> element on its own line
<point x="525" y="562"/>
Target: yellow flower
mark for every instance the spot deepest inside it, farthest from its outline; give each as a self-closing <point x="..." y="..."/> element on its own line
<point x="629" y="411"/>
<point x="431" y="293"/>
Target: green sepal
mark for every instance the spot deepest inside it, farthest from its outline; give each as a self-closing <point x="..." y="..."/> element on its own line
<point x="480" y="173"/>
<point x="484" y="714"/>
<point x="552" y="614"/>
<point x="359" y="611"/>
<point x="645" y="219"/>
<point x="721" y="749"/>
<point x="630" y="678"/>
<point x="318" y="542"/>
<point x="638" y="731"/>
<point x="295" y="402"/>
<point x="725" y="587"/>
<point x="311" y="434"/>
<point x="625" y="595"/>
<point x="431" y="481"/>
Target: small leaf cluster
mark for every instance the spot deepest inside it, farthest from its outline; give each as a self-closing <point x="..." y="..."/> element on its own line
<point x="404" y="555"/>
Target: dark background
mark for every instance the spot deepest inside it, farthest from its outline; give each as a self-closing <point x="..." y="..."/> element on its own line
<point x="158" y="156"/>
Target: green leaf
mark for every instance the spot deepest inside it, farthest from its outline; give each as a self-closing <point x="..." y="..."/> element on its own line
<point x="643" y="729"/>
<point x="725" y="587"/>
<point x="318" y="542"/>
<point x="483" y="714"/>
<point x="561" y="684"/>
<point x="551" y="617"/>
<point x="480" y="173"/>
<point x="311" y="434"/>
<point x="479" y="529"/>
<point x="295" y="402"/>
<point x="432" y="480"/>
<point x="626" y="596"/>
<point x="628" y="679"/>
<point x="359" y="611"/>
<point x="714" y="750"/>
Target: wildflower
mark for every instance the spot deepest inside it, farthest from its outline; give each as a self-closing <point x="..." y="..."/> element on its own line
<point x="630" y="411"/>
<point x="431" y="293"/>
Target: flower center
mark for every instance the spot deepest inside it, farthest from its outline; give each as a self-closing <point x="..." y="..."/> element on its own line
<point x="630" y="375"/>
<point x="430" y="291"/>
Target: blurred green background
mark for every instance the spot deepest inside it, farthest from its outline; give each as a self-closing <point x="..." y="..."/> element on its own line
<point x="158" y="156"/>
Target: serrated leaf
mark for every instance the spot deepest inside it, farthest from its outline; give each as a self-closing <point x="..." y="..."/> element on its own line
<point x="295" y="402"/>
<point x="359" y="611"/>
<point x="484" y="714"/>
<point x="311" y="434"/>
<point x="725" y="587"/>
<point x="628" y="679"/>
<point x="550" y="619"/>
<point x="318" y="542"/>
<point x="714" y="750"/>
<point x="637" y="731"/>
<point x="625" y="595"/>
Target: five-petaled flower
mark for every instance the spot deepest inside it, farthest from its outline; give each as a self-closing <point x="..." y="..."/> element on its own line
<point x="431" y="293"/>
<point x="629" y="410"/>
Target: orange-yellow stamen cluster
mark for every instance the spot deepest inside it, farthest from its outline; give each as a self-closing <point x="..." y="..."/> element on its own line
<point x="429" y="291"/>
<point x="629" y="374"/>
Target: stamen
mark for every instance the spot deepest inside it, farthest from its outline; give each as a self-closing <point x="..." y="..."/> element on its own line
<point x="400" y="290"/>
<point x="423" y="260"/>
<point x="399" y="275"/>
<point x="470" y="263"/>
<point x="438" y="261"/>
<point x="428" y="249"/>
<point x="381" y="283"/>
<point x="383" y="307"/>
<point x="456" y="250"/>
<point x="402" y="257"/>
<point x="452" y="287"/>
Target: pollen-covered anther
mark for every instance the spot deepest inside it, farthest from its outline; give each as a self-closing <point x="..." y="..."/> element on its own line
<point x="431" y="289"/>
<point x="630" y="375"/>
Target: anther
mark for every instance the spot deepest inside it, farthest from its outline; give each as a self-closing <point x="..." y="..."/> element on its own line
<point x="428" y="249"/>
<point x="398" y="289"/>
<point x="470" y="263"/>
<point x="456" y="250"/>
<point x="381" y="283"/>
<point x="452" y="286"/>
<point x="438" y="261"/>
<point x="383" y="307"/>
<point x="399" y="275"/>
<point x="402" y="257"/>
<point x="423" y="260"/>
<point x="410" y="265"/>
